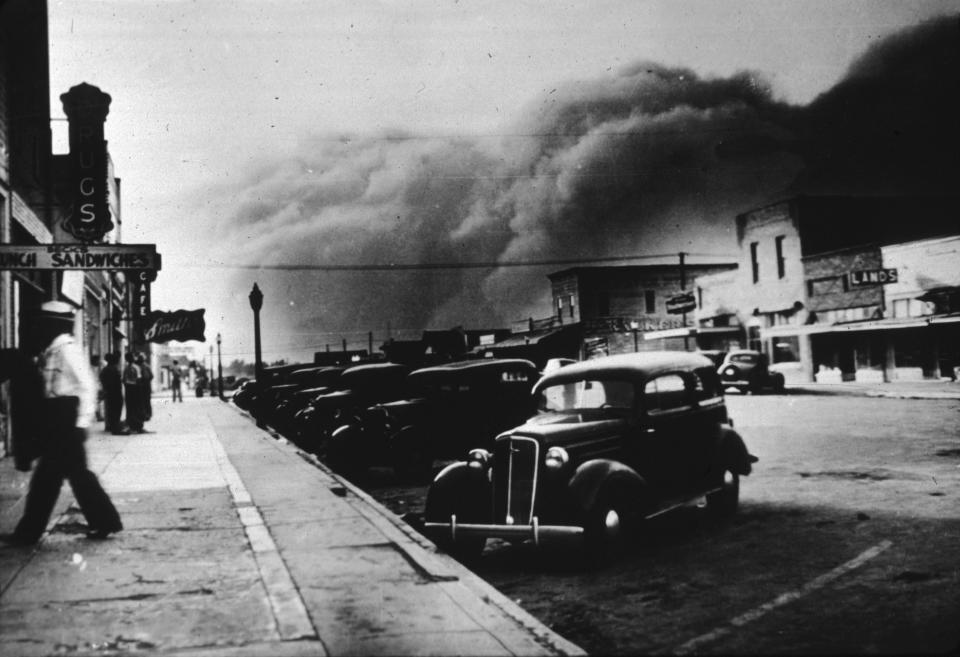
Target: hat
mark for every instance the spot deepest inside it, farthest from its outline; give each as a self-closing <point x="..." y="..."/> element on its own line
<point x="56" y="310"/>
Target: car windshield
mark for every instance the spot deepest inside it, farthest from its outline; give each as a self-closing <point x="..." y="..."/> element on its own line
<point x="743" y="358"/>
<point x="586" y="395"/>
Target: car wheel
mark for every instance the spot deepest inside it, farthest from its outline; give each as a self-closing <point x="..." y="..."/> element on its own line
<point x="723" y="503"/>
<point x="779" y="384"/>
<point x="605" y="529"/>
<point x="464" y="548"/>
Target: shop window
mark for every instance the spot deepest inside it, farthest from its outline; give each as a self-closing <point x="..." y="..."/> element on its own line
<point x="781" y="263"/>
<point x="786" y="349"/>
<point x="753" y="338"/>
<point x="754" y="262"/>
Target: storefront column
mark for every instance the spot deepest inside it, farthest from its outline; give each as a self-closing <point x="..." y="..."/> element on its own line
<point x="806" y="357"/>
<point x="890" y="359"/>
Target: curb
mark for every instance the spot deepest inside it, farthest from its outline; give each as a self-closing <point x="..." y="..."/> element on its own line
<point x="437" y="566"/>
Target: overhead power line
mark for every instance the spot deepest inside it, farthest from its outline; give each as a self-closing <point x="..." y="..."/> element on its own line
<point x="490" y="264"/>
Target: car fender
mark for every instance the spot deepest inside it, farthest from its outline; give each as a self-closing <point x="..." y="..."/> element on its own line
<point x="344" y="445"/>
<point x="458" y="485"/>
<point x="732" y="452"/>
<point x="597" y="475"/>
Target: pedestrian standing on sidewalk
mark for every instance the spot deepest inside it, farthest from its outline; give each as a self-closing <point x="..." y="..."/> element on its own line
<point x="95" y="363"/>
<point x="69" y="401"/>
<point x="131" y="394"/>
<point x="176" y="383"/>
<point x="112" y="384"/>
<point x="146" y="387"/>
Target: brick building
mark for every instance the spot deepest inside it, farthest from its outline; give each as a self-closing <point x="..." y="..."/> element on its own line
<point x="814" y="288"/>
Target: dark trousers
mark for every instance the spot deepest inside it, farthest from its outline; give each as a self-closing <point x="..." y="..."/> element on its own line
<point x="66" y="458"/>
<point x="131" y="393"/>
<point x="113" y="401"/>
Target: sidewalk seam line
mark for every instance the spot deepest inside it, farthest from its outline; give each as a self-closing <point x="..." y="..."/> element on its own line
<point x="289" y="611"/>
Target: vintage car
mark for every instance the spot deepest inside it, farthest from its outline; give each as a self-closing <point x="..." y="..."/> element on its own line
<point x="358" y="387"/>
<point x="299" y="389"/>
<point x="749" y="372"/>
<point x="246" y="395"/>
<point x="616" y="440"/>
<point x="453" y="407"/>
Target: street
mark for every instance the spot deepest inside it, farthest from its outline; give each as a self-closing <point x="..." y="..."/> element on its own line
<point x="846" y="542"/>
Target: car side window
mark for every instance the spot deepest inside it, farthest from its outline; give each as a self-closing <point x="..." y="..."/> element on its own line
<point x="666" y="392"/>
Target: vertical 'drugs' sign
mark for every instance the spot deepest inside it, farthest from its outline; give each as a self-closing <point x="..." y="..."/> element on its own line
<point x="86" y="108"/>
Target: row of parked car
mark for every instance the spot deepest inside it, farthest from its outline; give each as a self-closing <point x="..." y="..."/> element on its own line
<point x="388" y="414"/>
<point x="589" y="449"/>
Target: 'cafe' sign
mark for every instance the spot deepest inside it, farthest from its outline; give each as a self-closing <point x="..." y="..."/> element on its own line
<point x="88" y="218"/>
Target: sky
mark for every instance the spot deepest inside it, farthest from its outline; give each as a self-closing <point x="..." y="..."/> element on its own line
<point x="323" y="141"/>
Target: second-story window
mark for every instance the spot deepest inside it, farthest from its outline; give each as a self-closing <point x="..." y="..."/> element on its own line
<point x="781" y="263"/>
<point x="650" y="301"/>
<point x="754" y="262"/>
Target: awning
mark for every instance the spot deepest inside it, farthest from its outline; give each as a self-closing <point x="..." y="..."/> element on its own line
<point x="683" y="332"/>
<point x="519" y="340"/>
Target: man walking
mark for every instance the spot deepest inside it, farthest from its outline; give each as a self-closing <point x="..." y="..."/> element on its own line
<point x="176" y="383"/>
<point x="68" y="405"/>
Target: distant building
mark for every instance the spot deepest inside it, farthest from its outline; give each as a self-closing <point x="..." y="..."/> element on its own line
<point x="835" y="288"/>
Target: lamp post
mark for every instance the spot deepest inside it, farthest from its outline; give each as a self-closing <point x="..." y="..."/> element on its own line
<point x="211" y="371"/>
<point x="256" y="303"/>
<point x="219" y="368"/>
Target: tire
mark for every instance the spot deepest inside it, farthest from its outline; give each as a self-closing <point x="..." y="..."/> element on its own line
<point x="724" y="502"/>
<point x="779" y="384"/>
<point x="464" y="549"/>
<point x="605" y="528"/>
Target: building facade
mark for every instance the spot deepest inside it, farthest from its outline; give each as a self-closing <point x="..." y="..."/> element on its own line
<point x="843" y="289"/>
<point x="37" y="189"/>
<point x="629" y="308"/>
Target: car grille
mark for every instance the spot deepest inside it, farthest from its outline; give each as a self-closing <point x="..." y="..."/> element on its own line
<point x="515" y="478"/>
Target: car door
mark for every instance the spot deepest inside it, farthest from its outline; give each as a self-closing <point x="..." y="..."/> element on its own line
<point x="666" y="405"/>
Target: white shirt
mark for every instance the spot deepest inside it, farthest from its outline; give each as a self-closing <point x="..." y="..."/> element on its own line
<point x="66" y="373"/>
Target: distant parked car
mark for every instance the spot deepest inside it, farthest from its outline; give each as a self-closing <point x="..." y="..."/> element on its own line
<point x="358" y="388"/>
<point x="749" y="371"/>
<point x="453" y="407"/>
<point x="615" y="440"/>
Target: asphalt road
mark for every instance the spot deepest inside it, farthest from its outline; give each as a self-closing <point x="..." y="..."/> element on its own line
<point x="847" y="541"/>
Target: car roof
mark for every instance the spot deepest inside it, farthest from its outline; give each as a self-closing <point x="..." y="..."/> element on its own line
<point x="641" y="365"/>
<point x="467" y="368"/>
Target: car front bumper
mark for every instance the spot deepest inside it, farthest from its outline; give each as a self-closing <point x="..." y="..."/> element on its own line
<point x="532" y="531"/>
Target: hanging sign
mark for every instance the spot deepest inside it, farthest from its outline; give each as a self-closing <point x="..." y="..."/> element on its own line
<point x="681" y="303"/>
<point x="180" y="325"/>
<point x="865" y="277"/>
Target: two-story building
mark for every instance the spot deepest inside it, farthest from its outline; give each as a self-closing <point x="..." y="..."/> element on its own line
<point x="818" y="287"/>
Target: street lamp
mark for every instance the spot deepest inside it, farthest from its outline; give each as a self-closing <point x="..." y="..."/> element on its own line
<point x="635" y="326"/>
<point x="256" y="303"/>
<point x="219" y="368"/>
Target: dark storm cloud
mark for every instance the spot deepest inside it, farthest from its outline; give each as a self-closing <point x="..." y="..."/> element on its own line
<point x="645" y="161"/>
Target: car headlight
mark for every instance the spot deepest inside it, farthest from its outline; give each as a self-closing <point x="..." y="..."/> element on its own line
<point x="479" y="459"/>
<point x="730" y="371"/>
<point x="556" y="458"/>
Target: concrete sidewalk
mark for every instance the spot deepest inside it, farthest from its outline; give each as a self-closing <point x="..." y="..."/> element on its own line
<point x="894" y="389"/>
<point x="236" y="544"/>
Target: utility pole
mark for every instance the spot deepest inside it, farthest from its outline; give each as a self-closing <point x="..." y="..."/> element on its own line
<point x="683" y="288"/>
